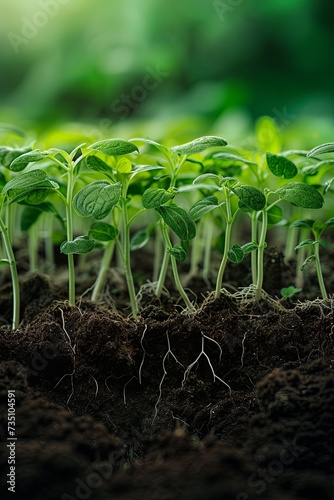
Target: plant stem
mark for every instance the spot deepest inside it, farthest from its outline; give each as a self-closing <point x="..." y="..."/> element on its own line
<point x="319" y="272"/>
<point x="176" y="276"/>
<point x="228" y="229"/>
<point x="208" y="234"/>
<point x="157" y="255"/>
<point x="69" y="235"/>
<point x="253" y="254"/>
<point x="105" y="265"/>
<point x="14" y="275"/>
<point x="299" y="280"/>
<point x="260" y="254"/>
<point x="126" y="257"/>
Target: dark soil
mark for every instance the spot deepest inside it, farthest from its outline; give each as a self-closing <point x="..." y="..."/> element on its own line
<point x="112" y="408"/>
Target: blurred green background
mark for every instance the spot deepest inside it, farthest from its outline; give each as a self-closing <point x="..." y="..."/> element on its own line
<point x="220" y="63"/>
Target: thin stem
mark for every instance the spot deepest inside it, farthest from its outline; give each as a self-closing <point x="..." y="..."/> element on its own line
<point x="208" y="234"/>
<point x="260" y="254"/>
<point x="14" y="275"/>
<point x="126" y="257"/>
<point x="33" y="247"/>
<point x="157" y="255"/>
<point x="228" y="229"/>
<point x="319" y="272"/>
<point x="299" y="280"/>
<point x="253" y="254"/>
<point x="105" y="265"/>
<point x="177" y="280"/>
<point x="163" y="270"/>
<point x="69" y="234"/>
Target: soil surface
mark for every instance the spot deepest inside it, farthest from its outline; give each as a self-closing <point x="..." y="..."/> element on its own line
<point x="234" y="401"/>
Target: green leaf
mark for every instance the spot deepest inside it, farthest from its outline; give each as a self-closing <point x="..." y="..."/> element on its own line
<point x="322" y="243"/>
<point x="167" y="152"/>
<point x="303" y="223"/>
<point x="289" y="291"/>
<point x="203" y="207"/>
<point x="328" y="185"/>
<point x="30" y="214"/>
<point x="252" y="197"/>
<point x="123" y="166"/>
<point x="199" y="145"/>
<point x="8" y="155"/>
<point x="179" y="221"/>
<point x="323" y="148"/>
<point x="4" y="262"/>
<point x="300" y="194"/>
<point x="178" y="253"/>
<point x="309" y="259"/>
<point x="275" y="215"/>
<point x="204" y="177"/>
<point x="97" y="199"/>
<point x="139" y="169"/>
<point x="305" y="243"/>
<point x="281" y="166"/>
<point x="114" y="147"/>
<point x="226" y="155"/>
<point x="81" y="245"/>
<point x="22" y="161"/>
<point x="97" y="165"/>
<point x="329" y="222"/>
<point x="29" y="186"/>
<point x="26" y="180"/>
<point x="141" y="238"/>
<point x="102" y="231"/>
<point x="249" y="247"/>
<point x="155" y="197"/>
<point x="235" y="254"/>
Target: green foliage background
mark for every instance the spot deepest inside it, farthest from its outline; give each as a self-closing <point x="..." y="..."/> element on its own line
<point x="236" y="58"/>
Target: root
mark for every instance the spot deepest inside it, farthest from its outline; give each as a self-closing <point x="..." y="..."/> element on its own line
<point x="169" y="352"/>
<point x="73" y="348"/>
<point x="139" y="378"/>
<point x="203" y="353"/>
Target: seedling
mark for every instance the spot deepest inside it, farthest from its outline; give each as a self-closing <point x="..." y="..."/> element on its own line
<point x="316" y="228"/>
<point x="290" y="291"/>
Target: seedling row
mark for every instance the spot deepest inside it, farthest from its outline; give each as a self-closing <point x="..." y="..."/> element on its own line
<point x="185" y="201"/>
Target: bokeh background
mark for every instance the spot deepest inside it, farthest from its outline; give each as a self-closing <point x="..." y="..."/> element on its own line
<point x="204" y="65"/>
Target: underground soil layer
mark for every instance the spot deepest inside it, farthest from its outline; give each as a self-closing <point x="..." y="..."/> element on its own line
<point x="234" y="401"/>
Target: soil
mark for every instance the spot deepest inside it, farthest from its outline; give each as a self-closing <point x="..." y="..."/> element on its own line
<point x="234" y="401"/>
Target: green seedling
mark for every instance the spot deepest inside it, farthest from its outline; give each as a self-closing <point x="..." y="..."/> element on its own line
<point x="289" y="292"/>
<point x="68" y="163"/>
<point x="176" y="218"/>
<point x="30" y="188"/>
<point x="174" y="158"/>
<point x="316" y="228"/>
<point x="99" y="198"/>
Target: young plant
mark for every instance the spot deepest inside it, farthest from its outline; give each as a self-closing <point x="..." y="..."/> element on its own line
<point x="100" y="197"/>
<point x="177" y="219"/>
<point x="31" y="188"/>
<point x="174" y="159"/>
<point x="317" y="228"/>
<point x="249" y="198"/>
<point x="68" y="162"/>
